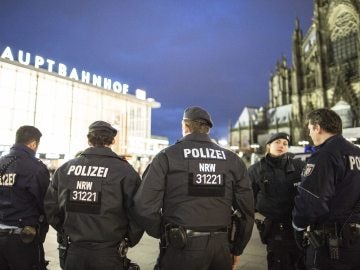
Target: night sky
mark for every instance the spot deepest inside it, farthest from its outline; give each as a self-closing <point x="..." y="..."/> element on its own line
<point x="217" y="54"/>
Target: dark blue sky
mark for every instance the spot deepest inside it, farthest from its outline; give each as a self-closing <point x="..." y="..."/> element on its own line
<point x="217" y="54"/>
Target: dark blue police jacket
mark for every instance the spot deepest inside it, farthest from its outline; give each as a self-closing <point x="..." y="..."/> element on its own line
<point x="23" y="184"/>
<point x="330" y="187"/>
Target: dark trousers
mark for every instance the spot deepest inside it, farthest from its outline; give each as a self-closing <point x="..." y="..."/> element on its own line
<point x="318" y="259"/>
<point x="282" y="251"/>
<point x="16" y="255"/>
<point x="200" y="253"/>
<point x="81" y="258"/>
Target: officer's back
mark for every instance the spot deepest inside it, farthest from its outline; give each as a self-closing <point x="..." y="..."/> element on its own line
<point x="186" y="199"/>
<point x="89" y="201"/>
<point x="23" y="183"/>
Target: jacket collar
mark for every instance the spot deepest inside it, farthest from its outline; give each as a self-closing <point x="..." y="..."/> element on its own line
<point x="201" y="137"/>
<point x="23" y="149"/>
<point x="100" y="151"/>
<point x="327" y="141"/>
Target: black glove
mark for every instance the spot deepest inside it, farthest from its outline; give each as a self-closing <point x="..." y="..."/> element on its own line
<point x="300" y="239"/>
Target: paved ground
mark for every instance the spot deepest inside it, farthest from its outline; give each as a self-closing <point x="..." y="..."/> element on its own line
<point x="145" y="253"/>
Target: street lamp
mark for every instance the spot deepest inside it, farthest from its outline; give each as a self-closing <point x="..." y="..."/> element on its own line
<point x="255" y="146"/>
<point x="303" y="143"/>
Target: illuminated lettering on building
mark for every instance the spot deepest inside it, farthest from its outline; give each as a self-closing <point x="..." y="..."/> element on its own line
<point x="62" y="70"/>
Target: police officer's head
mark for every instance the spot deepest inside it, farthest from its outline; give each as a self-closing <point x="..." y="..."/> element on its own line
<point x="278" y="144"/>
<point x="29" y="136"/>
<point x="101" y="133"/>
<point x="322" y="124"/>
<point x="196" y="120"/>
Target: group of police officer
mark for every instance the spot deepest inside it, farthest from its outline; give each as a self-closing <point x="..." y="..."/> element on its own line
<point x="195" y="196"/>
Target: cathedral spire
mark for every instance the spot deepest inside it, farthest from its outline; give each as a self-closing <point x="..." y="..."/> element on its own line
<point x="297" y="24"/>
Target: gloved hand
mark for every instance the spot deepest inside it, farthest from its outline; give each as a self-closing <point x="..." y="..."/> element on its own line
<point x="300" y="239"/>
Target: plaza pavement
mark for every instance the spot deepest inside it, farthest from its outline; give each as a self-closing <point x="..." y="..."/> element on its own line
<point x="145" y="253"/>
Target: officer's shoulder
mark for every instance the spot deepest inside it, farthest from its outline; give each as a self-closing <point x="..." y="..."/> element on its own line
<point x="297" y="162"/>
<point x="36" y="163"/>
<point x="256" y="166"/>
<point x="122" y="158"/>
<point x="232" y="156"/>
<point x="169" y="149"/>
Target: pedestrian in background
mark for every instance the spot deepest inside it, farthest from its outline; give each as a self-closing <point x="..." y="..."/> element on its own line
<point x="23" y="183"/>
<point x="89" y="202"/>
<point x="274" y="181"/>
<point x="186" y="199"/>
<point x="328" y="202"/>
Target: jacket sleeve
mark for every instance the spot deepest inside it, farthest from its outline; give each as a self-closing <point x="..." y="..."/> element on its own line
<point x="148" y="200"/>
<point x="244" y="201"/>
<point x="254" y="178"/>
<point x="314" y="193"/>
<point x="129" y="186"/>
<point x="38" y="185"/>
<point x="54" y="214"/>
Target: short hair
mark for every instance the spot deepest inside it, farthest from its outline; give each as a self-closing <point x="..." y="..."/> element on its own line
<point x="327" y="119"/>
<point x="197" y="127"/>
<point x="27" y="134"/>
<point x="100" y="138"/>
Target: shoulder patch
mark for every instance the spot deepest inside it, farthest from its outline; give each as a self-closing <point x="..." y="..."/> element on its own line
<point x="309" y="168"/>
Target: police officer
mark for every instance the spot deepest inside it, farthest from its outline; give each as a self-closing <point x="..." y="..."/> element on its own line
<point x="274" y="181"/>
<point x="329" y="195"/>
<point x="89" y="201"/>
<point x="23" y="183"/>
<point x="186" y="198"/>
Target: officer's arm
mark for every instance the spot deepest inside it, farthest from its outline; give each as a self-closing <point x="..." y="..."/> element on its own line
<point x="244" y="201"/>
<point x="53" y="213"/>
<point x="148" y="200"/>
<point x="37" y="184"/>
<point x="130" y="184"/>
<point x="315" y="191"/>
<point x="254" y="178"/>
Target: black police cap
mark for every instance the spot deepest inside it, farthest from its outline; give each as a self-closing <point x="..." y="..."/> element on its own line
<point x="102" y="126"/>
<point x="279" y="135"/>
<point x="198" y="114"/>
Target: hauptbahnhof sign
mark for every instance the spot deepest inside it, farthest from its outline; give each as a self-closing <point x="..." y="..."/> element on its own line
<point x="61" y="69"/>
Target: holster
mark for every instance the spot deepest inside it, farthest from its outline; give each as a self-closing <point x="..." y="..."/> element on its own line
<point x="176" y="236"/>
<point x="315" y="239"/>
<point x="27" y="234"/>
<point x="128" y="265"/>
<point x="237" y="226"/>
<point x="63" y="247"/>
<point x="264" y="228"/>
<point x="350" y="235"/>
<point x="122" y="250"/>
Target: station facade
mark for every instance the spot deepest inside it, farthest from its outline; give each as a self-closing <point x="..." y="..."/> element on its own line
<point x="63" y="102"/>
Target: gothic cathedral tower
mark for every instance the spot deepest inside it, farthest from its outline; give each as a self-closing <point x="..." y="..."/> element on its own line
<point x="326" y="62"/>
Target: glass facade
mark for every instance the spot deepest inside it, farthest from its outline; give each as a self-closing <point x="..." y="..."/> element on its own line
<point x="63" y="109"/>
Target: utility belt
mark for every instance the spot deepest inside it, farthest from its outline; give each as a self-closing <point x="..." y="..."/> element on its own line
<point x="333" y="236"/>
<point x="177" y="236"/>
<point x="27" y="234"/>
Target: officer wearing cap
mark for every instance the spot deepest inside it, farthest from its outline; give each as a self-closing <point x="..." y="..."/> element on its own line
<point x="23" y="183"/>
<point x="328" y="203"/>
<point x="89" y="200"/>
<point x="274" y="181"/>
<point x="186" y="199"/>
